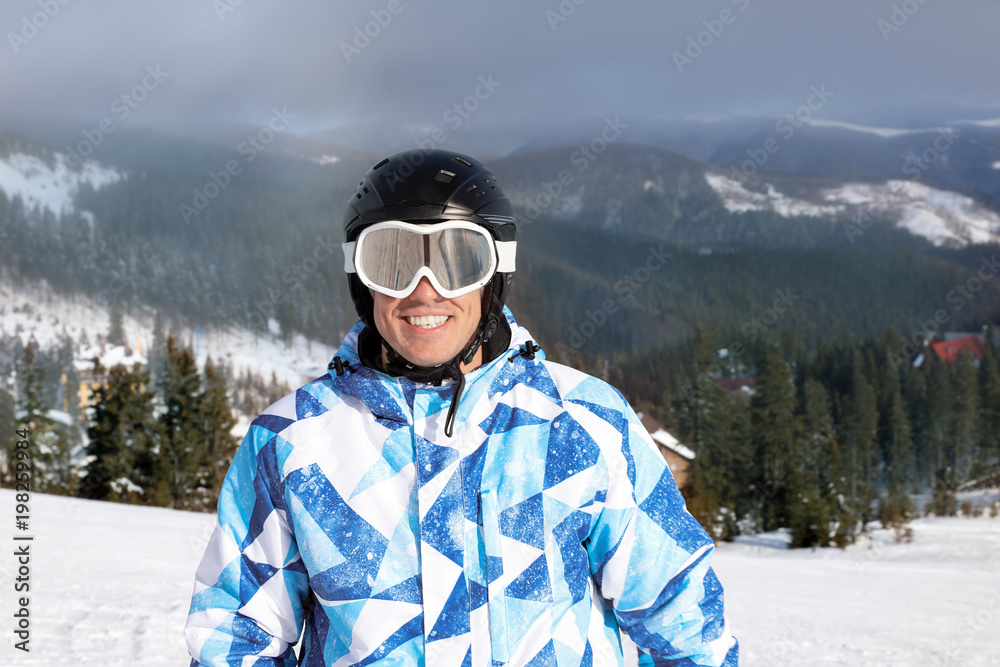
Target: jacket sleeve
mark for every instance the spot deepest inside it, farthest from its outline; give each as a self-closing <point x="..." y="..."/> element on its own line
<point x="651" y="560"/>
<point x="250" y="585"/>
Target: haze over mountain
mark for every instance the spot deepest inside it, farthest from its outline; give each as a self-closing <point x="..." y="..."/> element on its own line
<point x="491" y="78"/>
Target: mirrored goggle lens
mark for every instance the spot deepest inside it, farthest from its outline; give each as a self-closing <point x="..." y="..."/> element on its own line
<point x="391" y="257"/>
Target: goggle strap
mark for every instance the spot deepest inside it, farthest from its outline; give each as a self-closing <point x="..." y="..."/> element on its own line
<point x="349" y="256"/>
<point x="506" y="253"/>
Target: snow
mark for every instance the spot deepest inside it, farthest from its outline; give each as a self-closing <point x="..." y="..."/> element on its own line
<point x="55" y="415"/>
<point x="38" y="313"/>
<point x="326" y="159"/>
<point x="111" y="585"/>
<point x="884" y="132"/>
<point x="935" y="601"/>
<point x="737" y="199"/>
<point x="941" y="216"/>
<point x="50" y="186"/>
<point x="667" y="439"/>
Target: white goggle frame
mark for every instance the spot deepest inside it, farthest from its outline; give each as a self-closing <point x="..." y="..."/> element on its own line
<point x="502" y="259"/>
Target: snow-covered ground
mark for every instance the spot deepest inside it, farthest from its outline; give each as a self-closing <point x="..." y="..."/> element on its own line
<point x="941" y="216"/>
<point x="111" y="584"/>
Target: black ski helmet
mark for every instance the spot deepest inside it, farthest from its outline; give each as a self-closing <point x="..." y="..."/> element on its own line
<point x="427" y="186"/>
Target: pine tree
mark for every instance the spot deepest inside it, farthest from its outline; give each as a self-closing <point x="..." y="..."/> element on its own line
<point x="859" y="429"/>
<point x="966" y="433"/>
<point x="989" y="385"/>
<point x="937" y="446"/>
<point x="52" y="443"/>
<point x="116" y="332"/>
<point x="124" y="435"/>
<point x="774" y="434"/>
<point x="217" y="423"/>
<point x="8" y="438"/>
<point x="818" y="512"/>
<point x="180" y="460"/>
<point x="894" y="434"/>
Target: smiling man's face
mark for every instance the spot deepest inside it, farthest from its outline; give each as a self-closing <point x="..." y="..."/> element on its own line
<point x="427" y="329"/>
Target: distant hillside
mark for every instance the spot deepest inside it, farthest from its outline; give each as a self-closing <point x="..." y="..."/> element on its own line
<point x="162" y="226"/>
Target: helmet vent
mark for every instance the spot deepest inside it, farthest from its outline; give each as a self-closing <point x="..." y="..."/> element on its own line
<point x="471" y="187"/>
<point x="381" y="164"/>
<point x="444" y="176"/>
<point x="462" y="161"/>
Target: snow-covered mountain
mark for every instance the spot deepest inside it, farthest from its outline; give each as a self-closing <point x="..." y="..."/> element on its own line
<point x="47" y="179"/>
<point x="943" y="217"/>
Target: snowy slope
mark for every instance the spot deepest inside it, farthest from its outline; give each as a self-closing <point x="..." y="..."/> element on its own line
<point x="940" y="216"/>
<point x="111" y="585"/>
<point x="50" y="184"/>
<point x="38" y="312"/>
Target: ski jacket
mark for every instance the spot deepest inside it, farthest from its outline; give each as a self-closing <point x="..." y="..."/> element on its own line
<point x="544" y="527"/>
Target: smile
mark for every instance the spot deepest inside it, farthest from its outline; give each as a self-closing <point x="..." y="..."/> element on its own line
<point x="427" y="321"/>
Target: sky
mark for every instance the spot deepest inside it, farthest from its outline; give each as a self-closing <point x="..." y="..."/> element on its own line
<point x="519" y="67"/>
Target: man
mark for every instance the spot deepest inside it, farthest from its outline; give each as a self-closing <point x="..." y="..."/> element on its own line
<point x="445" y="496"/>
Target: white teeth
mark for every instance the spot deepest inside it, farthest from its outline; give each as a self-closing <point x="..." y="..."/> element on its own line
<point x="427" y="321"/>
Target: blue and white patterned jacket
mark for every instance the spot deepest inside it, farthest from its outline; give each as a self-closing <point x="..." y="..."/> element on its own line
<point x="547" y="523"/>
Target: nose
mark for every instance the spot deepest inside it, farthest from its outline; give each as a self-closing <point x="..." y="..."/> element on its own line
<point x="425" y="292"/>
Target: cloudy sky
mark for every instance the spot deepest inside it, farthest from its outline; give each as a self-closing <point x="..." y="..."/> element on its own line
<point x="518" y="66"/>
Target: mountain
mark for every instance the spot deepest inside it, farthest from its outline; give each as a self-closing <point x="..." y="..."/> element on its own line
<point x="210" y="237"/>
<point x="960" y="156"/>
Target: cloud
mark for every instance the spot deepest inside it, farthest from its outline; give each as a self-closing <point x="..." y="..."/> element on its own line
<point x="400" y="63"/>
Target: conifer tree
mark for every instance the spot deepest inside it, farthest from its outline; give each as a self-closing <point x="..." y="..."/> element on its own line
<point x="116" y="332"/>
<point x="179" y="460"/>
<point x="774" y="434"/>
<point x="859" y="428"/>
<point x="8" y="438"/>
<point x="818" y="513"/>
<point x="216" y="425"/>
<point x="937" y="447"/>
<point x="989" y="385"/>
<point x="124" y="435"/>
<point x="966" y="434"/>
<point x="894" y="433"/>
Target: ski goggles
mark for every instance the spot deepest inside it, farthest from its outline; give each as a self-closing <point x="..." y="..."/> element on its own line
<point x="456" y="256"/>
